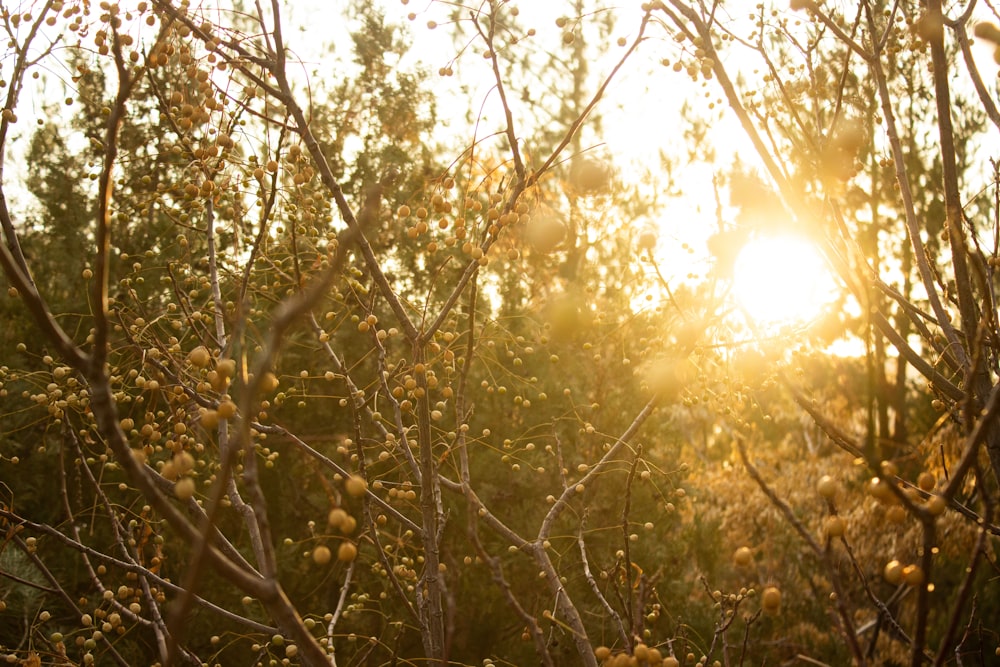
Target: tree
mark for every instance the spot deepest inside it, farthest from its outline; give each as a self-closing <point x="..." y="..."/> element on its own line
<point x="832" y="165"/>
<point x="342" y="387"/>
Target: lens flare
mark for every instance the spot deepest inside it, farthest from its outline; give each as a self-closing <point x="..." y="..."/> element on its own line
<point x="781" y="280"/>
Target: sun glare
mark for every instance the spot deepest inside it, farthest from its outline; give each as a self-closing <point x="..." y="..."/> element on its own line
<point x="781" y="280"/>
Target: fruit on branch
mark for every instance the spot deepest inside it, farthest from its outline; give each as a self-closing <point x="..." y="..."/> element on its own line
<point x="347" y="552"/>
<point x="827" y="487"/>
<point x="834" y="526"/>
<point x="926" y="481"/>
<point x="935" y="505"/>
<point x="269" y="383"/>
<point x="913" y="575"/>
<point x="200" y="357"/>
<point x="226" y="368"/>
<point x="321" y="555"/>
<point x="743" y="557"/>
<point x="896" y="514"/>
<point x="226" y="409"/>
<point x="770" y="600"/>
<point x="184" y="488"/>
<point x="647" y="240"/>
<point x="893" y="572"/>
<point x="355" y="485"/>
<point x="341" y="520"/>
<point x="879" y="489"/>
<point x="209" y="420"/>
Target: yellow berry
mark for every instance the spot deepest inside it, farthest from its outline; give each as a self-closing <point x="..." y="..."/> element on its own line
<point x="184" y="488"/>
<point x="913" y="575"/>
<point x="896" y="514"/>
<point x="200" y="357"/>
<point x="321" y="555"/>
<point x="347" y="552"/>
<point x="355" y="485"/>
<point x="226" y="410"/>
<point x="936" y="505"/>
<point x="337" y="517"/>
<point x="926" y="481"/>
<point x="893" y="572"/>
<point x="743" y="557"/>
<point x="834" y="526"/>
<point x="827" y="486"/>
<point x="770" y="600"/>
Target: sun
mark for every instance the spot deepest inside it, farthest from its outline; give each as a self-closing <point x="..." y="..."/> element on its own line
<point x="781" y="280"/>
